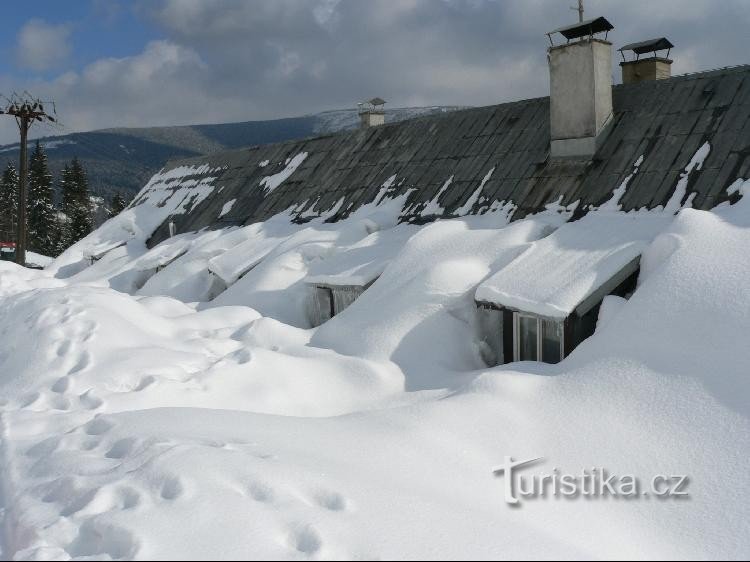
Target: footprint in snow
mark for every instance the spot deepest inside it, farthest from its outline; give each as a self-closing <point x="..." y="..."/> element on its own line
<point x="242" y="356"/>
<point x="44" y="448"/>
<point x="64" y="348"/>
<point x="60" y="489"/>
<point x="304" y="539"/>
<point x="332" y="501"/>
<point x="260" y="492"/>
<point x="145" y="382"/>
<point x="82" y="363"/>
<point x="98" y="539"/>
<point x="89" y="331"/>
<point x="98" y="426"/>
<point x="69" y="314"/>
<point x="172" y="488"/>
<point x="105" y="499"/>
<point x="58" y="402"/>
<point x="128" y="497"/>
<point x="90" y="401"/>
<point x="30" y="399"/>
<point x="122" y="448"/>
<point x="79" y="502"/>
<point x="61" y="385"/>
<point x="90" y="444"/>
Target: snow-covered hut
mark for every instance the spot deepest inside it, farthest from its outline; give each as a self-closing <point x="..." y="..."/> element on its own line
<point x="336" y="282"/>
<point x="546" y="302"/>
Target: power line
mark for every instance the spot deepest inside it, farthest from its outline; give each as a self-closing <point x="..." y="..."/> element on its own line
<point x="27" y="110"/>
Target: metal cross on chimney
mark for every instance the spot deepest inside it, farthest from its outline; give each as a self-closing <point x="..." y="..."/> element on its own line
<point x="580" y="10"/>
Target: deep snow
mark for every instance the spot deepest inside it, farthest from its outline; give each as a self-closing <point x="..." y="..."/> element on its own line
<point x="142" y="420"/>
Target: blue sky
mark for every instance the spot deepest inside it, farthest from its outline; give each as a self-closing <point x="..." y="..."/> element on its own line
<point x="96" y="29"/>
<point x="139" y="63"/>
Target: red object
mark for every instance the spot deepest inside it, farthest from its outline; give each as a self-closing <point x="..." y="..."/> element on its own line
<point x="7" y="244"/>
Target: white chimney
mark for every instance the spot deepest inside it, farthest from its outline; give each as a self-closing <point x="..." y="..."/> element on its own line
<point x="580" y="89"/>
<point x="372" y="113"/>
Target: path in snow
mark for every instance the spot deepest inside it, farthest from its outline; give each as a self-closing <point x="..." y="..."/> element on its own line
<point x="4" y="524"/>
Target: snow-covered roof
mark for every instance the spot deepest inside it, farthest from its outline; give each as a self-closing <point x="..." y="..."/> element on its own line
<point x="39" y="260"/>
<point x="558" y="273"/>
<point x="97" y="251"/>
<point x="166" y="252"/>
<point x="342" y="172"/>
<point x="235" y="262"/>
<point x="363" y="262"/>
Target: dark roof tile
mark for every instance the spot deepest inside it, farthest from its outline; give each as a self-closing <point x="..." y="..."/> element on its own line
<point x="666" y="121"/>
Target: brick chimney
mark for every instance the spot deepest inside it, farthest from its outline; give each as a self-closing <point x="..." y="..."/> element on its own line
<point x="648" y="68"/>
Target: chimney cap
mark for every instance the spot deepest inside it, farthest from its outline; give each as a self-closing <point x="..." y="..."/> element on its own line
<point x="376" y="101"/>
<point x="584" y="29"/>
<point x="649" y="46"/>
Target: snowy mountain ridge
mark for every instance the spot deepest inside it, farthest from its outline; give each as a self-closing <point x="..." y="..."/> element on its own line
<point x="122" y="159"/>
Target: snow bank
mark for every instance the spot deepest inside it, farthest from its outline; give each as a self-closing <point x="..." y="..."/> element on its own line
<point x="101" y="345"/>
<point x="15" y="279"/>
<point x="611" y="305"/>
<point x="168" y="192"/>
<point x="38" y="260"/>
<point x="139" y="426"/>
<point x="270" y="271"/>
<point x="364" y="261"/>
<point x="261" y="240"/>
<point x="274" y="284"/>
<point x="424" y="298"/>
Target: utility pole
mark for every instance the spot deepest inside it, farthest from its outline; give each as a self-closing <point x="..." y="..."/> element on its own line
<point x="27" y="111"/>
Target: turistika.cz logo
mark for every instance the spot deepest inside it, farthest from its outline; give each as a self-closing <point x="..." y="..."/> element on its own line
<point x="590" y="483"/>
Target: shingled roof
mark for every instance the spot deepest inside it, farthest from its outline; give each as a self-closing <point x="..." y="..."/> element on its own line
<point x="664" y="121"/>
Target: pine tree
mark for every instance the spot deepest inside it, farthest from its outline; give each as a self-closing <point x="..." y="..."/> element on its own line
<point x="67" y="189"/>
<point x="62" y="241"/>
<point x="8" y="204"/>
<point x="42" y="217"/>
<point x="76" y="202"/>
<point x="117" y="205"/>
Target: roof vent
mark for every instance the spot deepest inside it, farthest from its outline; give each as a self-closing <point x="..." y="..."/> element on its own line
<point x="653" y="67"/>
<point x="371" y="112"/>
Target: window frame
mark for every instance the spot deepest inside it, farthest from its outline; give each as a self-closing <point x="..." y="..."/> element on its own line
<point x="539" y="335"/>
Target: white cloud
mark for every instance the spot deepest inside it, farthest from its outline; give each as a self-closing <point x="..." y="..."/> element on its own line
<point x="41" y="45"/>
<point x="326" y="15"/>
<point x="164" y="84"/>
<point x="223" y="61"/>
<point x="160" y="61"/>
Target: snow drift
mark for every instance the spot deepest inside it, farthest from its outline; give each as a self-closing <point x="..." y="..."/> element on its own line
<point x="146" y="417"/>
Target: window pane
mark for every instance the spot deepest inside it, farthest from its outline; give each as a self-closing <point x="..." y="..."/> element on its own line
<point x="551" y="339"/>
<point x="344" y="296"/>
<point x="321" y="309"/>
<point x="527" y="333"/>
<point x="491" y="334"/>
